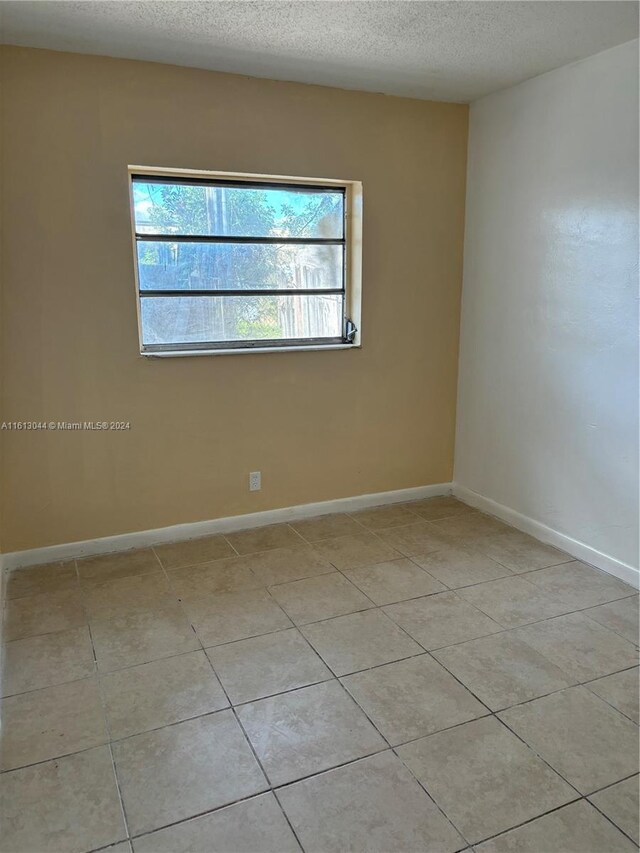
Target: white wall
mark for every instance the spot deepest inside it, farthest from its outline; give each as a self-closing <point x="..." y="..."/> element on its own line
<point x="548" y="387"/>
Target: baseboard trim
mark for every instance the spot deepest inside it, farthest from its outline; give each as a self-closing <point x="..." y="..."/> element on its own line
<point x="196" y="529"/>
<point x="577" y="549"/>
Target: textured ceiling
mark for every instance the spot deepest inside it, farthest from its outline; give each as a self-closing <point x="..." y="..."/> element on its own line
<point x="451" y="51"/>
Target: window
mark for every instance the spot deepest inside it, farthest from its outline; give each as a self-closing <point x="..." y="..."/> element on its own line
<point x="233" y="263"/>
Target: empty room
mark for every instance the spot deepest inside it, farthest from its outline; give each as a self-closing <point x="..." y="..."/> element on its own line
<point x="319" y="433"/>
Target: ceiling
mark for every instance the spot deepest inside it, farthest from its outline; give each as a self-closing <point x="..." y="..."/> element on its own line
<point x="448" y="51"/>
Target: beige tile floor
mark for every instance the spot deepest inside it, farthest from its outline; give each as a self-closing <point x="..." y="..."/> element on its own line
<point x="407" y="678"/>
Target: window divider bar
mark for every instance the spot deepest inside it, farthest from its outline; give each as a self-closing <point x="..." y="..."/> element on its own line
<point x="238" y="183"/>
<point x="314" y="291"/>
<point x="210" y="238"/>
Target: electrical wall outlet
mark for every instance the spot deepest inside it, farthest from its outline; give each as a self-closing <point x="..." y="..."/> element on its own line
<point x="255" y="481"/>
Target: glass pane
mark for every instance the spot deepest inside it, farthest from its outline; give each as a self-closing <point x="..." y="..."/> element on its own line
<point x="193" y="319"/>
<point x="236" y="211"/>
<point x="227" y="266"/>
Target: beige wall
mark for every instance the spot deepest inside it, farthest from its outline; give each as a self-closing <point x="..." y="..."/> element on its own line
<point x="319" y="425"/>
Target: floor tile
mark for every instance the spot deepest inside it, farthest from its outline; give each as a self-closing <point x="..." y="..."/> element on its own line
<point x="512" y="601"/>
<point x="176" y="555"/>
<point x="160" y="693"/>
<point x="412" y="539"/>
<point x="469" y="769"/>
<point x="307" y="731"/>
<point x="49" y="578"/>
<point x="287" y="564"/>
<point x="326" y="527"/>
<point x="197" y="584"/>
<point x="253" y="826"/>
<point x="456" y="567"/>
<point x="264" y="538"/>
<point x="379" y="517"/>
<point x="120" y="565"/>
<point x="441" y="620"/>
<point x="398" y="580"/>
<point x="374" y="805"/>
<point x="113" y="598"/>
<point x="359" y="641"/>
<point x="47" y="660"/>
<point x="412" y="698"/>
<point x="435" y="509"/>
<point x="261" y="666"/>
<point x="520" y="552"/>
<point x="502" y="670"/>
<point x="578" y="585"/>
<point x="181" y="752"/>
<point x="180" y="771"/>
<point x="587" y="741"/>
<point x="621" y="804"/>
<point x="147" y="635"/>
<point x="581" y="648"/>
<point x="619" y="616"/>
<point x="69" y="805"/>
<point x="45" y="613"/>
<point x="362" y="549"/>
<point x="620" y="690"/>
<point x="238" y="615"/>
<point x="470" y="526"/>
<point x="577" y="828"/>
<point x="47" y="723"/>
<point x="318" y="598"/>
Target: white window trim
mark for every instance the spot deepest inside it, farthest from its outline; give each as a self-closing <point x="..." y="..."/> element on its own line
<point x="353" y="259"/>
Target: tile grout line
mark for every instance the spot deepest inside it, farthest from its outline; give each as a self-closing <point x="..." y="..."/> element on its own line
<point x="401" y="556"/>
<point x="193" y="817"/>
<point x="535" y="752"/>
<point x="613" y="784"/>
<point x="298" y="626"/>
<point x="529" y="820"/>
<point x="286" y="817"/>
<point x="606" y="701"/>
<point x="376" y="728"/>
<point x="338" y="678"/>
<point x="599" y="810"/>
<point x="496" y="714"/>
<point x="248" y="741"/>
<point x="276" y="789"/>
<point x="534" y="622"/>
<point x="503" y="629"/>
<point x="384" y="737"/>
<point x="271" y="789"/>
<point x="394" y="749"/>
<point x="105" y="720"/>
<point x="235" y="715"/>
<point x="437" y="805"/>
<point x="492" y="714"/>
<point x="226" y="539"/>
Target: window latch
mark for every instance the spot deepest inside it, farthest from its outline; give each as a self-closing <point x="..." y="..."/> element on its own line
<point x="350" y="331"/>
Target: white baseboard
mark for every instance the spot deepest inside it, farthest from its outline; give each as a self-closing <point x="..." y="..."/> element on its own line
<point x="193" y="530"/>
<point x="3" y="582"/>
<point x="577" y="549"/>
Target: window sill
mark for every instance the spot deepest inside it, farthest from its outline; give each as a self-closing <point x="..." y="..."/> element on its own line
<point x="248" y="350"/>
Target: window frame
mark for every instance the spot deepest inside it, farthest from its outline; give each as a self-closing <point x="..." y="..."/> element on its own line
<point x="351" y="242"/>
